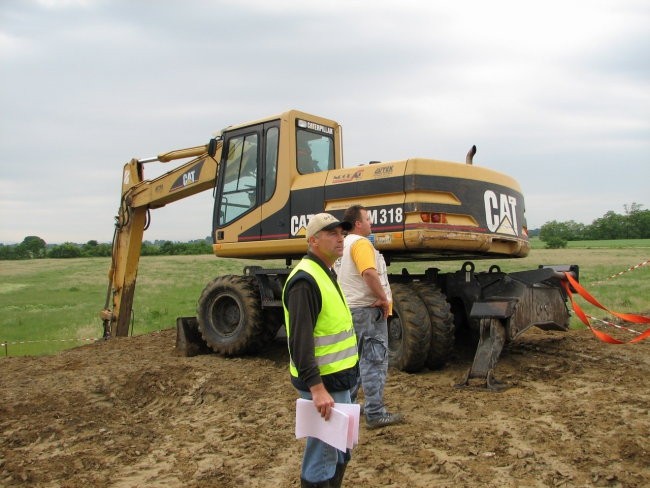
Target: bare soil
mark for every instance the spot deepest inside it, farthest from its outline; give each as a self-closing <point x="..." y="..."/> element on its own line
<point x="128" y="412"/>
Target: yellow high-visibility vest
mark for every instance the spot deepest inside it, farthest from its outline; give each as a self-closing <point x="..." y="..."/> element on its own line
<point x="335" y="343"/>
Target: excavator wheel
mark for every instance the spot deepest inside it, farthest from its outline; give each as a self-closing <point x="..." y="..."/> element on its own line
<point x="230" y="315"/>
<point x="442" y="323"/>
<point x="409" y="330"/>
<point x="272" y="319"/>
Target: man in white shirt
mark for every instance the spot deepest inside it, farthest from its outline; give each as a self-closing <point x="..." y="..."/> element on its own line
<point x="363" y="277"/>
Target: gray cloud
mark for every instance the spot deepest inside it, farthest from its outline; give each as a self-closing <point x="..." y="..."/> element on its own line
<point x="554" y="94"/>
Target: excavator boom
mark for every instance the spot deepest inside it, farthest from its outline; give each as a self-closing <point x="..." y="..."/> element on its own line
<point x="138" y="197"/>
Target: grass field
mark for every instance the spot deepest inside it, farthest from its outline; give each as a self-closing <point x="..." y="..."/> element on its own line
<point x="48" y="305"/>
<point x="536" y="243"/>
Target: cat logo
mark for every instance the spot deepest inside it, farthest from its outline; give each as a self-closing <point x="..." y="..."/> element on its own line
<point x="299" y="224"/>
<point x="188" y="178"/>
<point x="500" y="213"/>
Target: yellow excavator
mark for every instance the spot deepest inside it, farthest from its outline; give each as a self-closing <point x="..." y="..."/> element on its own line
<point x="269" y="176"/>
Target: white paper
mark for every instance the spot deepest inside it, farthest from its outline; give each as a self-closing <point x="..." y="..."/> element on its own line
<point x="353" y="411"/>
<point x="340" y="431"/>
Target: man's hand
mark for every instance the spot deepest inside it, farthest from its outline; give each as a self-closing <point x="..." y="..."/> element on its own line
<point x="371" y="277"/>
<point x="323" y="401"/>
<point x="384" y="305"/>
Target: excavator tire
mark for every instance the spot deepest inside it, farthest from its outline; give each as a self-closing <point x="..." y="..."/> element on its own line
<point x="230" y="315"/>
<point x="409" y="330"/>
<point x="443" y="329"/>
<point x="272" y="319"/>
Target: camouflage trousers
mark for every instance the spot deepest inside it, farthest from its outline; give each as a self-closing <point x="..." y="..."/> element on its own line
<point x="371" y="328"/>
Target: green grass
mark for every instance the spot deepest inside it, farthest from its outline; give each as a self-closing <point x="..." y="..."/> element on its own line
<point x="47" y="305"/>
<point x="536" y="243"/>
<point x="613" y="244"/>
<point x="55" y="304"/>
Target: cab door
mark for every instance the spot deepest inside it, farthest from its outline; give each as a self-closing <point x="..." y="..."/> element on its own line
<point x="239" y="189"/>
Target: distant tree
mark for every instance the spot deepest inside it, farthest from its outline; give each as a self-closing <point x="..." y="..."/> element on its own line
<point x="575" y="230"/>
<point x="89" y="248"/>
<point x="168" y="248"/>
<point x="632" y="208"/>
<point x="556" y="242"/>
<point x="8" y="252"/>
<point x="609" y="226"/>
<point x="637" y="221"/>
<point x="32" y="247"/>
<point x="201" y="246"/>
<point x="94" y="249"/>
<point x="104" y="249"/>
<point x="65" y="250"/>
<point x="557" y="234"/>
<point x="149" y="249"/>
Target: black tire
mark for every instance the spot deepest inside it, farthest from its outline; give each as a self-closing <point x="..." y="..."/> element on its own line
<point x="443" y="328"/>
<point x="230" y="315"/>
<point x="272" y="319"/>
<point x="409" y="330"/>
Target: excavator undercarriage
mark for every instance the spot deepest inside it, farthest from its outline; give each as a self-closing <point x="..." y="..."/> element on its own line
<point x="431" y="312"/>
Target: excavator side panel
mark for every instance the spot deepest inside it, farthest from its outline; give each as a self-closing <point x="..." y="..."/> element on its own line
<point x="421" y="210"/>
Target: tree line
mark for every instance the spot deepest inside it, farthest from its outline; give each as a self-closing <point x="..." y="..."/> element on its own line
<point x="33" y="247"/>
<point x="634" y="224"/>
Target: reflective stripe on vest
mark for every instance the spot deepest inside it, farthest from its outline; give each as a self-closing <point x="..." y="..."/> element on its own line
<point x="335" y="343"/>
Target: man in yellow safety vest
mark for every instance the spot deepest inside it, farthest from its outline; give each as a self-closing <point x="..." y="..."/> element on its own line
<point x="322" y="342"/>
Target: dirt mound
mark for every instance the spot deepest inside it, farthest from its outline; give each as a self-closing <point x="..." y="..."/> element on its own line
<point x="130" y="413"/>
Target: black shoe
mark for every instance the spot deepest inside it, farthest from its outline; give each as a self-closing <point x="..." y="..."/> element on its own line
<point x="384" y="420"/>
<point x="337" y="480"/>
<point x="308" y="484"/>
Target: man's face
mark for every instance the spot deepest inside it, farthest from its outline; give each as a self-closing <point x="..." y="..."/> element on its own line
<point x="363" y="225"/>
<point x="328" y="245"/>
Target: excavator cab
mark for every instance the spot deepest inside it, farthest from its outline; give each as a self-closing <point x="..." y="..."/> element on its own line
<point x="262" y="169"/>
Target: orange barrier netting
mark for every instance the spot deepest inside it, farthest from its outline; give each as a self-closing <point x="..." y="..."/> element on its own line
<point x="628" y="317"/>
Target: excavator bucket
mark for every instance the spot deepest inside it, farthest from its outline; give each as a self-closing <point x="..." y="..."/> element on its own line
<point x="188" y="338"/>
<point x="491" y="340"/>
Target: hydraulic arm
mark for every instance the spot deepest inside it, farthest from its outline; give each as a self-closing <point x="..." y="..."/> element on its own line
<point x="138" y="197"/>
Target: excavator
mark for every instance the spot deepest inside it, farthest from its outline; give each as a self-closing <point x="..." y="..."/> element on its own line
<point x="269" y="176"/>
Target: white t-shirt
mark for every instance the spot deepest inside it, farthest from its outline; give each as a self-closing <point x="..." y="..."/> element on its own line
<point x="356" y="291"/>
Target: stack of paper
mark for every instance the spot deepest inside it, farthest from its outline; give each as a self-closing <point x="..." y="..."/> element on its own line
<point x="340" y="431"/>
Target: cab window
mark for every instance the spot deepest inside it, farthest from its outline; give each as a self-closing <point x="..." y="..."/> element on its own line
<point x="314" y="152"/>
<point x="240" y="178"/>
<point x="271" y="162"/>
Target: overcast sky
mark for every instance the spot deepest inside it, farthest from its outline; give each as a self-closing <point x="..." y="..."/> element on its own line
<point x="555" y="94"/>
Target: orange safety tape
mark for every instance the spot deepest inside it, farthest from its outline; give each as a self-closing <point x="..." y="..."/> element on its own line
<point x="612" y="324"/>
<point x="628" y="317"/>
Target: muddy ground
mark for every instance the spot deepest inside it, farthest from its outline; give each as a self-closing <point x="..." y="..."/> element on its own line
<point x="130" y="413"/>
